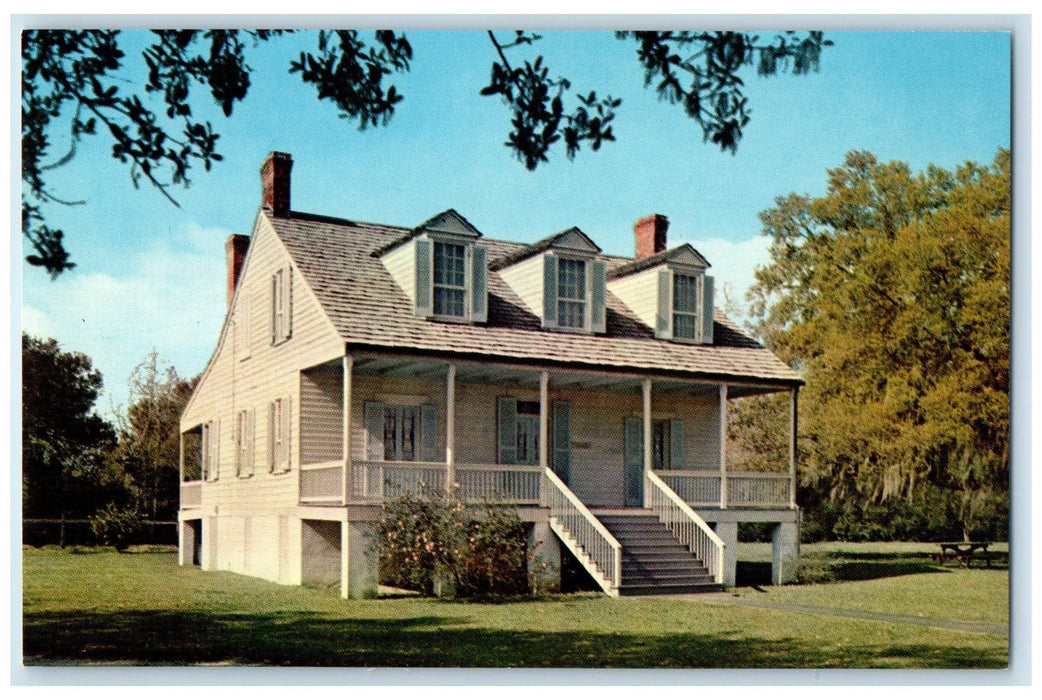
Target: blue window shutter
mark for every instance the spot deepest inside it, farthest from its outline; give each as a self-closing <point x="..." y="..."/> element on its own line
<point x="707" y="310"/>
<point x="507" y="420"/>
<point x="562" y="459"/>
<point x="424" y="283"/>
<point x="374" y="431"/>
<point x="598" y="294"/>
<point x="676" y="444"/>
<point x="664" y="317"/>
<point x="549" y="291"/>
<point x="634" y="451"/>
<point x="429" y="435"/>
<point x="479" y="284"/>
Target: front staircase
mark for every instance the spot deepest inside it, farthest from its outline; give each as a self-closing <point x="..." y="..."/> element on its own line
<point x="653" y="560"/>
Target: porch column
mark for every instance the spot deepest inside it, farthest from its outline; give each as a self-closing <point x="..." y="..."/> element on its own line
<point x="792" y="446"/>
<point x="450" y="428"/>
<point x="544" y="418"/>
<point x="348" y="363"/>
<point x="647" y="425"/>
<point x="723" y="445"/>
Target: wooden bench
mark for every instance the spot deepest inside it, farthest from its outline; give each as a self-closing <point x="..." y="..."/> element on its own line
<point x="964" y="552"/>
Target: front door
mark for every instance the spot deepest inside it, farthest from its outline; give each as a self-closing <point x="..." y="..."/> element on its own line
<point x="634" y="455"/>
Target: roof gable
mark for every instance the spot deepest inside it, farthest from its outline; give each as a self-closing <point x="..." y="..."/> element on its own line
<point x="572" y="240"/>
<point x="683" y="254"/>
<point x="449" y="222"/>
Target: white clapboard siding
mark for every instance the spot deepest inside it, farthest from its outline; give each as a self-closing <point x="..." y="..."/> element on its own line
<point x="639" y="292"/>
<point x="230" y="384"/>
<point x="401" y="263"/>
<point x="526" y="279"/>
<point x="321" y="417"/>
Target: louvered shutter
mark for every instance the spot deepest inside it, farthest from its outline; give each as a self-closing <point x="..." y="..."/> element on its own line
<point x="507" y="419"/>
<point x="424" y="282"/>
<point x="216" y="449"/>
<point x="549" y="291"/>
<point x="479" y="284"/>
<point x="562" y="463"/>
<point x="207" y="448"/>
<point x="707" y="309"/>
<point x="272" y="457"/>
<point x="676" y="444"/>
<point x="598" y="294"/>
<point x="287" y="422"/>
<point x="664" y="317"/>
<point x="374" y="431"/>
<point x="251" y="440"/>
<point x="287" y="304"/>
<point x="276" y="299"/>
<point x="634" y="454"/>
<point x="429" y="434"/>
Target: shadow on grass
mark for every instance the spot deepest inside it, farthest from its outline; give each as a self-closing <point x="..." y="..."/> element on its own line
<point x="305" y="639"/>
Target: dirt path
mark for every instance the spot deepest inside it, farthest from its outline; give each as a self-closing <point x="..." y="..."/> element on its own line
<point x="940" y="623"/>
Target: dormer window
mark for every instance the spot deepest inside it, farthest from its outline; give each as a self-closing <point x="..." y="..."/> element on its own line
<point x="441" y="269"/>
<point x="571" y="293"/>
<point x="686" y="306"/>
<point x="670" y="292"/>
<point x="450" y="280"/>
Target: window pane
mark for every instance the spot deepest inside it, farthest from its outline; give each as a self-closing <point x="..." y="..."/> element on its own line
<point x="408" y="434"/>
<point x="684" y="325"/>
<point x="390" y="433"/>
<point x="571" y="314"/>
<point x="571" y="279"/>
<point x="685" y="293"/>
<point x="449" y="301"/>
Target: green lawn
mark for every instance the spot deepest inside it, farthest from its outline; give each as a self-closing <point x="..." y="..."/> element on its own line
<point x="142" y="608"/>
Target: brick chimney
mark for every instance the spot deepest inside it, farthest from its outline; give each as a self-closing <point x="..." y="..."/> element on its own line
<point x="235" y="253"/>
<point x="650" y="233"/>
<point x="275" y="172"/>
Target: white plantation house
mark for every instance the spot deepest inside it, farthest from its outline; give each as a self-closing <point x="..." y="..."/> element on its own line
<point x="358" y="361"/>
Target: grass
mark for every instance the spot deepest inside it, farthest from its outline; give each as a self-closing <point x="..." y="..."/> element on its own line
<point x="141" y="608"/>
<point x="892" y="577"/>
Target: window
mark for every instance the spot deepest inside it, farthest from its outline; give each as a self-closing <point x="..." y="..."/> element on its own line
<point x="211" y="450"/>
<point x="401" y="433"/>
<point x="281" y="306"/>
<point x="527" y="432"/>
<point x="450" y="280"/>
<point x="571" y="293"/>
<point x="244" y="442"/>
<point x="685" y="307"/>
<point x="278" y="435"/>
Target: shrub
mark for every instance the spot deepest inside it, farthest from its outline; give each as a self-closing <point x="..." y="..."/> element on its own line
<point x="433" y="542"/>
<point x="116" y="526"/>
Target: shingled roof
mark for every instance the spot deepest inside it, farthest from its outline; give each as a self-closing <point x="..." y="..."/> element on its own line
<point x="369" y="310"/>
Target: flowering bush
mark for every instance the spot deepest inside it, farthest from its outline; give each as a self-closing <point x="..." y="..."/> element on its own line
<point x="433" y="540"/>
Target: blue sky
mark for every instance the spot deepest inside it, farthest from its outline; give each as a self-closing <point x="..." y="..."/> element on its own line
<point x="151" y="275"/>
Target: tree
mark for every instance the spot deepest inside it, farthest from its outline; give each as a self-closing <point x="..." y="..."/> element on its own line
<point x="148" y="451"/>
<point x="890" y="294"/>
<point x="64" y="443"/>
<point x="69" y="80"/>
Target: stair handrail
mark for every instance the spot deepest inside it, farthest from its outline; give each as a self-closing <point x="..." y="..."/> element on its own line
<point x="688" y="527"/>
<point x="604" y="551"/>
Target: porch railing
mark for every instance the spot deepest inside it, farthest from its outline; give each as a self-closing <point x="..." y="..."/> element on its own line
<point x="510" y="483"/>
<point x="585" y="535"/>
<point x="322" y="482"/>
<point x="191" y="494"/>
<point x="701" y="488"/>
<point x="685" y="524"/>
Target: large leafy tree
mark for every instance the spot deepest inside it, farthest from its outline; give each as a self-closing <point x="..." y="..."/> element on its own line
<point x="891" y="294"/>
<point x="71" y="80"/>
<point x="64" y="442"/>
<point x="148" y="451"/>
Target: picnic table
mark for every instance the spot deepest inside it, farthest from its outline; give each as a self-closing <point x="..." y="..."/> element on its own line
<point x="964" y="552"/>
